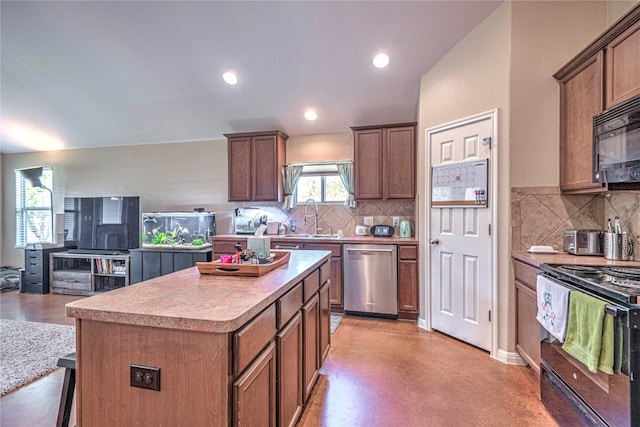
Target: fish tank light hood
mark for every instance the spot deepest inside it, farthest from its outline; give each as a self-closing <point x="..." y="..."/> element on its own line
<point x="178" y="230"/>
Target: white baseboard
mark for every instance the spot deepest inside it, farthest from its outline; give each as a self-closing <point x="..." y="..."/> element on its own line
<point x="510" y="358"/>
<point x="422" y="323"/>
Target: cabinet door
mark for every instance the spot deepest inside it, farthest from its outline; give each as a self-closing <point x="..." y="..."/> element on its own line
<point x="150" y="264"/>
<point x="368" y="164"/>
<point x="310" y="318"/>
<point x="336" y="291"/>
<point x="528" y="328"/>
<point x="264" y="167"/>
<point x="408" y="286"/>
<point x="400" y="164"/>
<point x="254" y="393"/>
<point x="239" y="152"/>
<point x="290" y="386"/>
<point x="324" y="322"/>
<point x="623" y="64"/>
<point x="580" y="100"/>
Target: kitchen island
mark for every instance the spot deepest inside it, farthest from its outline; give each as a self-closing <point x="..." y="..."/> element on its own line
<point x="192" y="349"/>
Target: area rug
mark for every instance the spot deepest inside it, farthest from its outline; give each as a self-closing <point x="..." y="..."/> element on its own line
<point x="29" y="350"/>
<point x="335" y="321"/>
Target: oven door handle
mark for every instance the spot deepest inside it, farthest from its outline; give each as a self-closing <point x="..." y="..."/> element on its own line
<point x="615" y="311"/>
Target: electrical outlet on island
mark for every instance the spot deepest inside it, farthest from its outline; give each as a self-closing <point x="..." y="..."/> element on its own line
<point x="396" y="221"/>
<point x="368" y="220"/>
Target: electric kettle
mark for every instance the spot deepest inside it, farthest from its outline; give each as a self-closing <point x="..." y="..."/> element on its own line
<point x="405" y="228"/>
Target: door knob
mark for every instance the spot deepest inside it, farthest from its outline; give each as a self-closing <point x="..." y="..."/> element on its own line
<point x="434" y="241"/>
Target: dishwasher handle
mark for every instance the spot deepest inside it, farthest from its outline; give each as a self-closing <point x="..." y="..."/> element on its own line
<point x="369" y="250"/>
<point x="287" y="247"/>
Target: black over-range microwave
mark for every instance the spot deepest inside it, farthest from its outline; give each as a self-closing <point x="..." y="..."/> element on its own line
<point x="616" y="143"/>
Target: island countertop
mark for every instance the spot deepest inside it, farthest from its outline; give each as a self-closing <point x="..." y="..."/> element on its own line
<point x="188" y="300"/>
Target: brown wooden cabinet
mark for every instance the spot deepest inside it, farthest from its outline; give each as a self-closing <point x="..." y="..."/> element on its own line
<point x="602" y="75"/>
<point x="622" y="58"/>
<point x="290" y="385"/>
<point x="408" y="307"/>
<point x="580" y="100"/>
<point x="310" y="360"/>
<point x="324" y="326"/>
<point x="254" y="402"/>
<point x="255" y="163"/>
<point x="335" y="292"/>
<point x="527" y="326"/>
<point x="384" y="161"/>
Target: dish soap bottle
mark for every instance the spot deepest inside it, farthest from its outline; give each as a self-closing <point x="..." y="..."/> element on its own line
<point x="281" y="229"/>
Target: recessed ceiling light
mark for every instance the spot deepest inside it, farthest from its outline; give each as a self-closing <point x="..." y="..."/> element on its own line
<point x="381" y="60"/>
<point x="230" y="78"/>
<point x="310" y="115"/>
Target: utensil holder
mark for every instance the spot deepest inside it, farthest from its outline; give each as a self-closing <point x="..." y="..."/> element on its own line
<point x="616" y="246"/>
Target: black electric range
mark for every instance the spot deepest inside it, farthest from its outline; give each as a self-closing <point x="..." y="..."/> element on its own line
<point x="619" y="283"/>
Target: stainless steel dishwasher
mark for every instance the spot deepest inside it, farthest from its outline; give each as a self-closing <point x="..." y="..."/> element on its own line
<point x="371" y="280"/>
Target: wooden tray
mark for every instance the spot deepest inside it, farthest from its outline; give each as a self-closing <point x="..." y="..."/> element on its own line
<point x="217" y="268"/>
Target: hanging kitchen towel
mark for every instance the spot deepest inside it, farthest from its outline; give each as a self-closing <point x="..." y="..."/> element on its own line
<point x="584" y="329"/>
<point x="605" y="363"/>
<point x="553" y="302"/>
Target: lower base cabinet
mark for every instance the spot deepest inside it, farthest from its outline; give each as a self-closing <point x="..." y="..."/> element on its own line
<point x="324" y="326"/>
<point x="527" y="326"/>
<point x="310" y="317"/>
<point x="290" y="386"/>
<point x="255" y="392"/>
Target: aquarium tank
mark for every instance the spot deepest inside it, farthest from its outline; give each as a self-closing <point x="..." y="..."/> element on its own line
<point x="178" y="230"/>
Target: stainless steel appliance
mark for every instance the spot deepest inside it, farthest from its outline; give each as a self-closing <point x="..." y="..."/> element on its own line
<point x="371" y="280"/>
<point x="616" y="143"/>
<point x="573" y="394"/>
<point x="583" y="242"/>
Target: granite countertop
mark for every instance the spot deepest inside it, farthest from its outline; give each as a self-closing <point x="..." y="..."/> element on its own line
<point x="393" y="240"/>
<point x="188" y="300"/>
<point x="566" y="258"/>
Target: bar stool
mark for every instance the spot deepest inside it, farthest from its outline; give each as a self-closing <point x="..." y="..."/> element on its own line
<point x="68" y="387"/>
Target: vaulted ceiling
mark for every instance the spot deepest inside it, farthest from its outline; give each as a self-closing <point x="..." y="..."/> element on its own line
<point x="112" y="73"/>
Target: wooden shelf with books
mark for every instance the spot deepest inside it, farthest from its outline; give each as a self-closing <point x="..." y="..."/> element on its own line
<point x="87" y="274"/>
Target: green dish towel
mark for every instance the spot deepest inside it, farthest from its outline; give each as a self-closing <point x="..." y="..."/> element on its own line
<point x="585" y="330"/>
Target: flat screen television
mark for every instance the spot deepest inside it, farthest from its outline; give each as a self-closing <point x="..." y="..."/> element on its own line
<point x="102" y="224"/>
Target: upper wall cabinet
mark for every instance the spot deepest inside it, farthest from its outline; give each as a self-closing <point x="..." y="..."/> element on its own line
<point x="604" y="74"/>
<point x="385" y="161"/>
<point x="256" y="160"/>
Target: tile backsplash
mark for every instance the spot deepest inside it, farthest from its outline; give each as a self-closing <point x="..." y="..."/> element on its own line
<point x="334" y="217"/>
<point x="539" y="215"/>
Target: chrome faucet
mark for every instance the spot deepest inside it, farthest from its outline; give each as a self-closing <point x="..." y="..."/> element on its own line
<point x="315" y="214"/>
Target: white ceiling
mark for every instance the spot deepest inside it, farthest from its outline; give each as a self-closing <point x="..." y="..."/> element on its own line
<point x="97" y="74"/>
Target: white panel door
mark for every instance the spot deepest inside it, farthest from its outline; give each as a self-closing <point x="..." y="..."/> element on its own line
<point x="461" y="245"/>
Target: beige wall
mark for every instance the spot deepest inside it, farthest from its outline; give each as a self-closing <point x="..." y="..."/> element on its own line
<point x="322" y="147"/>
<point x="507" y="62"/>
<point x="165" y="176"/>
<point x="472" y="78"/>
<point x="615" y="9"/>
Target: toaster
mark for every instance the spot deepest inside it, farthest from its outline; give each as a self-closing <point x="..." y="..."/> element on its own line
<point x="583" y="242"/>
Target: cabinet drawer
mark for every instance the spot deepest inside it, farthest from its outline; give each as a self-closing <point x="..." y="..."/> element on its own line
<point x="525" y="274"/>
<point x="311" y="284"/>
<point x="33" y="268"/>
<point x="252" y="338"/>
<point x="33" y="277"/>
<point x="408" y="252"/>
<point x="289" y="304"/>
<point x="70" y="286"/>
<point x="33" y="288"/>
<point x="72" y="276"/>
<point x="33" y="256"/>
<point x="325" y="272"/>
